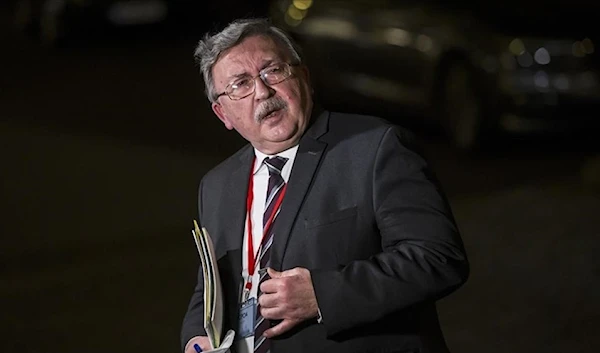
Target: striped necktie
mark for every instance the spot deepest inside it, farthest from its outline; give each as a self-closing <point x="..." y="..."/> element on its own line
<point x="274" y="190"/>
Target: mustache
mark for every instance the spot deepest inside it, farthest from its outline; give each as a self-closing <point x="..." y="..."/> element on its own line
<point x="269" y="106"/>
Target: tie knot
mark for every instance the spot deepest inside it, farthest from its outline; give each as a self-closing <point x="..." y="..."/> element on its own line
<point x="275" y="164"/>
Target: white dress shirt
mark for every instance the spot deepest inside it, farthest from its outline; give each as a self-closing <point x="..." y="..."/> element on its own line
<point x="260" y="180"/>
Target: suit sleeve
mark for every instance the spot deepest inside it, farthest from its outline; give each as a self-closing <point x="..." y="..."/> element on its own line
<point x="422" y="257"/>
<point x="193" y="321"/>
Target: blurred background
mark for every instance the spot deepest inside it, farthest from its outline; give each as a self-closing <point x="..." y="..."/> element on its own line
<point x="106" y="132"/>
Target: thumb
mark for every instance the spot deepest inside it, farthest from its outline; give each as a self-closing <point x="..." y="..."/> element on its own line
<point x="296" y="271"/>
<point x="273" y="273"/>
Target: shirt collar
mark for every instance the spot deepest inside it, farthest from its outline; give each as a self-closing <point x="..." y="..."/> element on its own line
<point x="290" y="153"/>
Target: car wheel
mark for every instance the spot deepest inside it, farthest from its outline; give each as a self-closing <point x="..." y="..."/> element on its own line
<point x="461" y="108"/>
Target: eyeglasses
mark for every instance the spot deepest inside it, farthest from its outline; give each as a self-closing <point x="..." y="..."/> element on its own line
<point x="245" y="86"/>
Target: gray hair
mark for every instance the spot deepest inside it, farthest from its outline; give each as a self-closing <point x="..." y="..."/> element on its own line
<point x="212" y="46"/>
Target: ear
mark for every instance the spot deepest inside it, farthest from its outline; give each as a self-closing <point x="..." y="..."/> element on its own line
<point x="305" y="74"/>
<point x="218" y="109"/>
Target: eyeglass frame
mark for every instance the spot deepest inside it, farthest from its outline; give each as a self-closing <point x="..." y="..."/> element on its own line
<point x="287" y="65"/>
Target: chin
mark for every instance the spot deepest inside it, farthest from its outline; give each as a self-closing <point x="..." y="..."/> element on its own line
<point x="285" y="134"/>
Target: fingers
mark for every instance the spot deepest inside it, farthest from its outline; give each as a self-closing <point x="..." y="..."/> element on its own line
<point x="287" y="296"/>
<point x="271" y="285"/>
<point x="279" y="280"/>
<point x="276" y="291"/>
<point x="273" y="273"/>
<point x="202" y="341"/>
<point x="268" y="300"/>
<point x="296" y="271"/>
<point x="276" y="313"/>
<point x="273" y="306"/>
<point x="280" y="328"/>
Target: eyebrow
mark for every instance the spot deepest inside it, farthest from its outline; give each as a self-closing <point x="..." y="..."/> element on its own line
<point x="268" y="63"/>
<point x="264" y="65"/>
<point x="236" y="76"/>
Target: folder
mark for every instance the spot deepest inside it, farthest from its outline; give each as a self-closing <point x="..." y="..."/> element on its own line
<point x="213" y="295"/>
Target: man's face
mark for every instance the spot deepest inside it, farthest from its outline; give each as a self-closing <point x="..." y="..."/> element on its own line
<point x="253" y="116"/>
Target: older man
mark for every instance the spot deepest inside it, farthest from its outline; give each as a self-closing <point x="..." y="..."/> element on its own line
<point x="330" y="232"/>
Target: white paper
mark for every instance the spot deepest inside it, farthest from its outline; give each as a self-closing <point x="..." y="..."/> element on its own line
<point x="225" y="345"/>
<point x="213" y="296"/>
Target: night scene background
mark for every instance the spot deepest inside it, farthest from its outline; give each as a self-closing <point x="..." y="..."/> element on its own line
<point x="105" y="133"/>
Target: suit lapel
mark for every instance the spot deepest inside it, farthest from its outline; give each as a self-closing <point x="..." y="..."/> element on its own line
<point x="306" y="163"/>
<point x="234" y="198"/>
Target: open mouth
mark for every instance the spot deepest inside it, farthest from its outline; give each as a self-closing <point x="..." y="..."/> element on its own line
<point x="270" y="115"/>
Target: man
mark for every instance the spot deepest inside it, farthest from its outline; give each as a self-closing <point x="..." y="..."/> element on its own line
<point x="357" y="240"/>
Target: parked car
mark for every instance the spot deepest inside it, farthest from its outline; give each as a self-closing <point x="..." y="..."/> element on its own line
<point x="469" y="70"/>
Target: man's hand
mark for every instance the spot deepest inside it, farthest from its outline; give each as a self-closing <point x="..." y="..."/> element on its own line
<point x="202" y="341"/>
<point x="288" y="296"/>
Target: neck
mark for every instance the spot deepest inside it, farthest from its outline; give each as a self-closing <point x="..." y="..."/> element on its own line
<point x="273" y="149"/>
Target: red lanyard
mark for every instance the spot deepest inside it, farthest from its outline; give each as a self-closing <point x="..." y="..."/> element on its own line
<point x="251" y="256"/>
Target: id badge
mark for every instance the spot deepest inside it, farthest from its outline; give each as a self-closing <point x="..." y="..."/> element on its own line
<point x="247" y="317"/>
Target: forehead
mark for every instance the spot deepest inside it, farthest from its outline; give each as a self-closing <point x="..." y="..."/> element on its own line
<point x="249" y="56"/>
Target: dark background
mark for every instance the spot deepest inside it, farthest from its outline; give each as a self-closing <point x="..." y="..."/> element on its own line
<point x="103" y="143"/>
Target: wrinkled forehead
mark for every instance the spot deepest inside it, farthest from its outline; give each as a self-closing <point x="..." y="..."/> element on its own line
<point x="249" y="57"/>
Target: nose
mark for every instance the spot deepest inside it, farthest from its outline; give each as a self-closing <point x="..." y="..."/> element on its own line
<point x="262" y="90"/>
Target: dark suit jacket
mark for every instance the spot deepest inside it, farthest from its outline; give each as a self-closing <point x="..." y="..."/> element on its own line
<point x="363" y="213"/>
